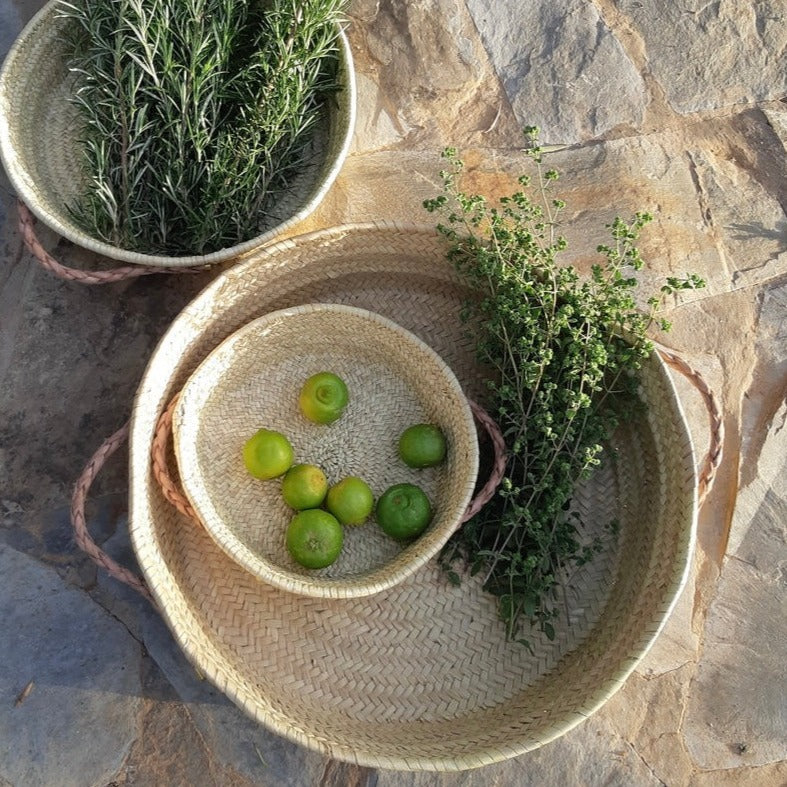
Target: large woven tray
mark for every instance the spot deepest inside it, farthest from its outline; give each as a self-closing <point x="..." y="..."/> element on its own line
<point x="419" y="676"/>
<point x="40" y="127"/>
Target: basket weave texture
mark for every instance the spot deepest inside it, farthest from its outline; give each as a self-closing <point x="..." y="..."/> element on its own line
<point x="419" y="676"/>
<point x="40" y="128"/>
<point x="251" y="381"/>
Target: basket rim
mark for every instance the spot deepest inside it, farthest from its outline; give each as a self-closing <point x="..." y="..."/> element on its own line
<point x="227" y="677"/>
<point x="347" y="101"/>
<point x="372" y="581"/>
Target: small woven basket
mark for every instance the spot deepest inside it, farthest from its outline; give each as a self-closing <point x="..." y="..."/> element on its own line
<point x="40" y="128"/>
<point x="251" y="381"/>
<point x="419" y="676"/>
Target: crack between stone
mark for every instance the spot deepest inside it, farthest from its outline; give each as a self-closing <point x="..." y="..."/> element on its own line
<point x="743" y="767"/>
<point x="683" y="710"/>
<point x="632" y="43"/>
<point x="656" y="676"/>
<point x="141" y="717"/>
<point x="702" y="197"/>
<point x="202" y="742"/>
<point x="352" y="775"/>
<point x="707" y="215"/>
<point x="775" y="595"/>
<point x="504" y="97"/>
<point x="701" y="11"/>
<point x="645" y="763"/>
<point x="14" y="259"/>
<point x="119" y="620"/>
<point x="758" y="170"/>
<point x="699" y="301"/>
<point x="741" y="560"/>
<point x="14" y="318"/>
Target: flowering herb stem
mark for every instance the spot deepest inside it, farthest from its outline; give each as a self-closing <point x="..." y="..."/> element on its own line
<point x="563" y="353"/>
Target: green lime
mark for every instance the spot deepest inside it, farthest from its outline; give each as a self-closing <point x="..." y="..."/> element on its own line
<point x="422" y="445"/>
<point x="350" y="500"/>
<point x="267" y="454"/>
<point x="304" y="486"/>
<point x="323" y="397"/>
<point x="403" y="511"/>
<point x="314" y="538"/>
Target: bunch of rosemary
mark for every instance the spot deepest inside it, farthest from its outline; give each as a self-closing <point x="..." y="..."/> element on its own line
<point x="196" y="114"/>
<point x="560" y="348"/>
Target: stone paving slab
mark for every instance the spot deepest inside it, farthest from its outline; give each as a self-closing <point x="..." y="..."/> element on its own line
<point x="562" y="67"/>
<point x="748" y="719"/>
<point x="670" y="108"/>
<point x="713" y="55"/>
<point x="81" y="667"/>
<point x="581" y="70"/>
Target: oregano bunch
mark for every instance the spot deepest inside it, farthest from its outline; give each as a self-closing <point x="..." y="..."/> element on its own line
<point x="563" y="352"/>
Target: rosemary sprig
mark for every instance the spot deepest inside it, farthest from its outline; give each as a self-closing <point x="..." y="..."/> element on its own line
<point x="563" y="353"/>
<point x="197" y="114"/>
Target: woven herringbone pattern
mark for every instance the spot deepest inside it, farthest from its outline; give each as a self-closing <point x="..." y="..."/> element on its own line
<point x="418" y="676"/>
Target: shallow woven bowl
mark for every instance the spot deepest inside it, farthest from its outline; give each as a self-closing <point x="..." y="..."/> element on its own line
<point x="417" y="677"/>
<point x="39" y="129"/>
<point x="252" y="380"/>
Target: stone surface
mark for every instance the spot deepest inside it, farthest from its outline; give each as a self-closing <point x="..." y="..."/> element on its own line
<point x="79" y="720"/>
<point x="740" y="703"/>
<point x="713" y="55"/>
<point x="741" y="716"/>
<point x="669" y="108"/>
<point x="764" y="417"/>
<point x="561" y="66"/>
<point x="232" y="739"/>
<point x="746" y="220"/>
<point x="199" y="721"/>
<point x="647" y="712"/>
<point x="425" y="77"/>
<point x="592" y="754"/>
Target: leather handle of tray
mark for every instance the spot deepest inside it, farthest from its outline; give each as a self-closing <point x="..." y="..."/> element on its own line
<point x="715" y="452"/>
<point x="171" y="489"/>
<point x="47" y="261"/>
<point x="173" y="494"/>
<point x="83" y="538"/>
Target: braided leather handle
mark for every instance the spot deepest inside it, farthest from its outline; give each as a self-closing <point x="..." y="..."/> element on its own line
<point x="176" y="498"/>
<point x="714" y="456"/>
<point x="27" y="228"/>
<point x="81" y="534"/>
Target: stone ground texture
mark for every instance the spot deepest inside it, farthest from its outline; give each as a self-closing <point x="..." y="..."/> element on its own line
<point x="677" y="108"/>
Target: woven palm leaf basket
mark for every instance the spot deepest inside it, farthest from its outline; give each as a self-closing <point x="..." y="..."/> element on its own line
<point x="39" y="149"/>
<point x="419" y="676"/>
<point x="251" y="380"/>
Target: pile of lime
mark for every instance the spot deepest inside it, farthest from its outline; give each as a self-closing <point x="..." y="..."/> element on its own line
<point x="315" y="534"/>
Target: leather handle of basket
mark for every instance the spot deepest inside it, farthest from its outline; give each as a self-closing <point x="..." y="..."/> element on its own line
<point x="176" y="498"/>
<point x="487" y="491"/>
<point x="169" y="488"/>
<point x="27" y="228"/>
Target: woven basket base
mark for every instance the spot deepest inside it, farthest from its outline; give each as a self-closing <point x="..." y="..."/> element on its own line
<point x="419" y="676"/>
